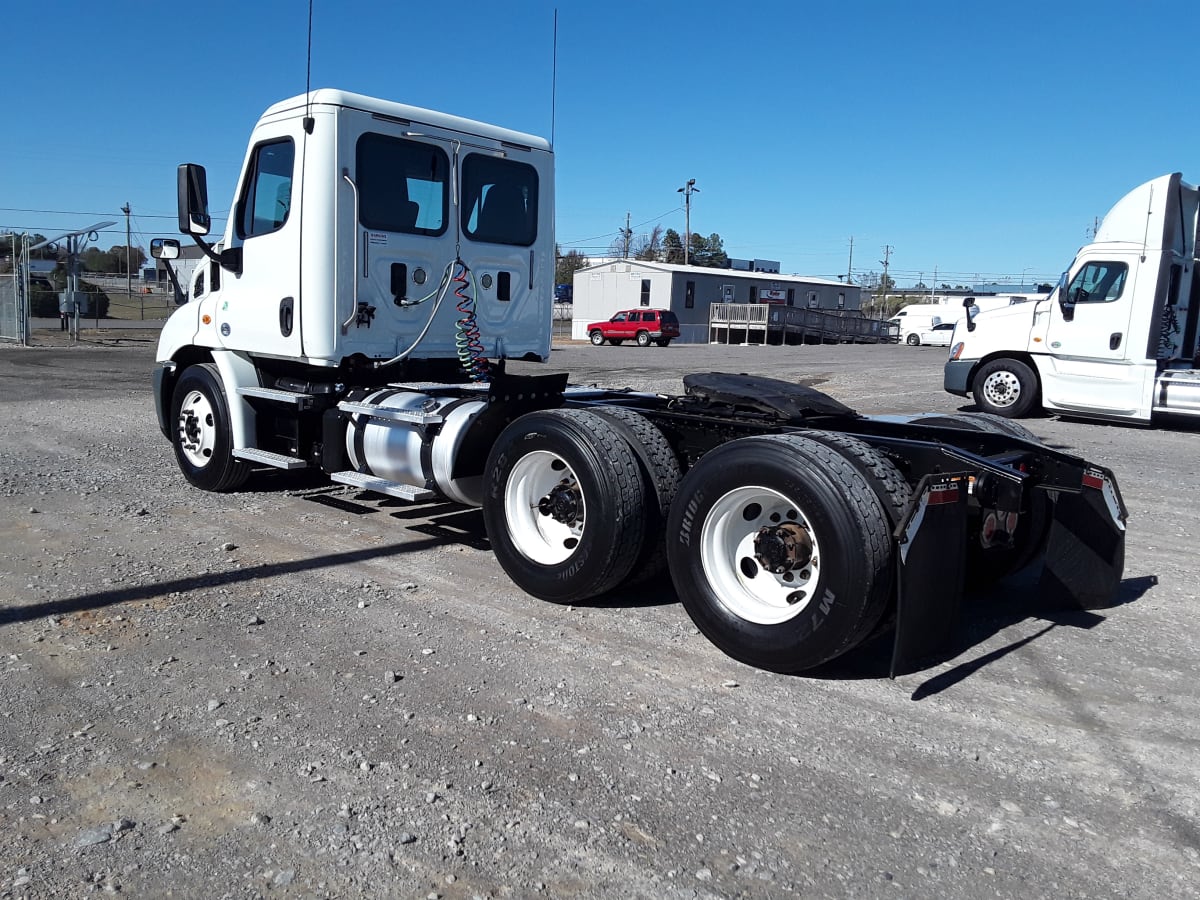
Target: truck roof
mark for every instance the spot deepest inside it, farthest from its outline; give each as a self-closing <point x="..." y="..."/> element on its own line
<point x="346" y="99"/>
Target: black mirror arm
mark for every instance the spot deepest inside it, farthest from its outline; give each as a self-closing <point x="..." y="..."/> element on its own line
<point x="230" y="258"/>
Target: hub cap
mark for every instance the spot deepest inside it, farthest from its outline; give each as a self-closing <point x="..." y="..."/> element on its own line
<point x="760" y="555"/>
<point x="544" y="508"/>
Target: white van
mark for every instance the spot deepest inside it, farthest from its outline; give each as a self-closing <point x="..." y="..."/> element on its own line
<point x="918" y="317"/>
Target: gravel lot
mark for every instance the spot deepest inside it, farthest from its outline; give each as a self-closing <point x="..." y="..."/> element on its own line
<point x="298" y="691"/>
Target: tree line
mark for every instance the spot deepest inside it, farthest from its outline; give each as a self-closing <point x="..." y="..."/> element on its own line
<point x="660" y="245"/>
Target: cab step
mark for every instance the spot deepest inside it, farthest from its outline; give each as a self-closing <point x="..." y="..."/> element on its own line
<point x="292" y="398"/>
<point x="267" y="458"/>
<point x="1178" y="392"/>
<point x="366" y="482"/>
<point x="413" y="417"/>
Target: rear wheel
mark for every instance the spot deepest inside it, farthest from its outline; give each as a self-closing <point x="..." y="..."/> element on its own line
<point x="663" y="342"/>
<point x="202" y="437"/>
<point x="661" y="474"/>
<point x="1006" y="387"/>
<point x="596" y="338"/>
<point x="780" y="550"/>
<point x="565" y="504"/>
<point x="643" y="339"/>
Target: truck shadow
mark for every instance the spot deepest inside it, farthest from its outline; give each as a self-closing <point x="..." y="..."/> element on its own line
<point x="984" y="615"/>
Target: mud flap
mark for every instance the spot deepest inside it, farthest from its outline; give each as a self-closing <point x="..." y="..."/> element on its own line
<point x="930" y="558"/>
<point x="1085" y="553"/>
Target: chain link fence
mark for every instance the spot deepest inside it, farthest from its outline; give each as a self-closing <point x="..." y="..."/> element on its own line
<point x="14" y="292"/>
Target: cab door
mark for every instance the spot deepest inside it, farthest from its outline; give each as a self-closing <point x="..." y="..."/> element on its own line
<point x="1087" y="339"/>
<point x="258" y="309"/>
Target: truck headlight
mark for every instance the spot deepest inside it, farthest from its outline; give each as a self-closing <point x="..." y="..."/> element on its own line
<point x="957" y="349"/>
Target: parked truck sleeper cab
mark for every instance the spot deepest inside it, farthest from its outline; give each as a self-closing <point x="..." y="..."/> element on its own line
<point x="382" y="262"/>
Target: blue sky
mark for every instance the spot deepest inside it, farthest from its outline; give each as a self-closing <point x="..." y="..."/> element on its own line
<point x="980" y="139"/>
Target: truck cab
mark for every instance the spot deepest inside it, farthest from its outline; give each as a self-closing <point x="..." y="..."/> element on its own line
<point x="1116" y="339"/>
<point x="346" y="224"/>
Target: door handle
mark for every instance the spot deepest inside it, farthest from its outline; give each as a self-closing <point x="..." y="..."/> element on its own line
<point x="1114" y="340"/>
<point x="286" y="305"/>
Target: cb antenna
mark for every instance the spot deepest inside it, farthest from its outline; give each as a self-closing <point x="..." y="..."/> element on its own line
<point x="308" y="119"/>
<point x="553" y="76"/>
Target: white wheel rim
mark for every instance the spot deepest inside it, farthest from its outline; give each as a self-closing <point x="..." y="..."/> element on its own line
<point x="197" y="429"/>
<point x="1002" y="388"/>
<point x="727" y="552"/>
<point x="537" y="534"/>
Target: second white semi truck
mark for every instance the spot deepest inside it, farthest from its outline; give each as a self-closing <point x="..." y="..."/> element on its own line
<point x="1117" y="339"/>
<point x="380" y="264"/>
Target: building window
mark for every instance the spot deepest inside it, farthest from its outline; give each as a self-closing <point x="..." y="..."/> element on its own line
<point x="689" y="295"/>
<point x="841" y="300"/>
<point x="754" y="293"/>
<point x="791" y="298"/>
<point x="813" y="300"/>
<point x="645" y="292"/>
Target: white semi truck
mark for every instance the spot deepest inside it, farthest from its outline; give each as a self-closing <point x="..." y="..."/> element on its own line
<point x="1117" y="339"/>
<point x="382" y="262"/>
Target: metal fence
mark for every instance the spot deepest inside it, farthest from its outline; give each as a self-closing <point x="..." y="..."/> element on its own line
<point x="14" y="291"/>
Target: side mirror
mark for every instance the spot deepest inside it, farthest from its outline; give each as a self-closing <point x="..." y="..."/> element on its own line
<point x="164" y="248"/>
<point x="1067" y="304"/>
<point x="969" y="306"/>
<point x="192" y="193"/>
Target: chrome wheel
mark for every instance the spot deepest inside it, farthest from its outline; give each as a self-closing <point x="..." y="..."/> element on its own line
<point x="1002" y="388"/>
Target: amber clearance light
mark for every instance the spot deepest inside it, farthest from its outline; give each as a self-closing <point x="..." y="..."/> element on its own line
<point x="206" y="319"/>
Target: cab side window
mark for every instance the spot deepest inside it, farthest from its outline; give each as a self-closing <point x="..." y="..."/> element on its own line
<point x="267" y="194"/>
<point x="1098" y="282"/>
<point x="404" y="186"/>
<point x="500" y="200"/>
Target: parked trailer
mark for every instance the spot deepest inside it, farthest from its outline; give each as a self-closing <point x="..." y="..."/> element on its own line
<point x="367" y="338"/>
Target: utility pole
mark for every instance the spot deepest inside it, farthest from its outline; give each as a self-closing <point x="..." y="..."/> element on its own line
<point x="887" y="256"/>
<point x="687" y="190"/>
<point x="932" y="286"/>
<point x="850" y="262"/>
<point x="626" y="236"/>
<point x="128" y="274"/>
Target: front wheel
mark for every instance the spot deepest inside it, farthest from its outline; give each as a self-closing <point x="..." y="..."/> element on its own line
<point x="565" y="504"/>
<point x="596" y="338"/>
<point x="781" y="551"/>
<point x="202" y="437"/>
<point x="1006" y="387"/>
<point x="914" y="340"/>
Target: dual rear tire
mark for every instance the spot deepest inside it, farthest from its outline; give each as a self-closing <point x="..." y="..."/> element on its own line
<point x="779" y="546"/>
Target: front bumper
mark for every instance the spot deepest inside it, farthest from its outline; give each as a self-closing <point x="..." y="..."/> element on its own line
<point x="956" y="377"/>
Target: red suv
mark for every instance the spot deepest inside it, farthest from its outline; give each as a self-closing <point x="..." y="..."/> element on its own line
<point x="641" y="325"/>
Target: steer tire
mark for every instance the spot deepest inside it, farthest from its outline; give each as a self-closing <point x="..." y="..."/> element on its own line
<point x="661" y="474"/>
<point x="201" y="432"/>
<point x="914" y="340"/>
<point x="1006" y="387"/>
<point x="564" y="504"/>
<point x="596" y="338"/>
<point x="825" y="600"/>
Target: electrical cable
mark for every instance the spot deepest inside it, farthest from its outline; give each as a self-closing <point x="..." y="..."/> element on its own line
<point x="466" y="339"/>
